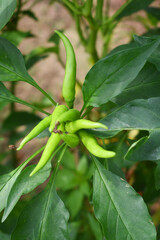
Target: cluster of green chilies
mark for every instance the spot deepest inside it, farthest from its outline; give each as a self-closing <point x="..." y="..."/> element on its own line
<point x="65" y="124"/>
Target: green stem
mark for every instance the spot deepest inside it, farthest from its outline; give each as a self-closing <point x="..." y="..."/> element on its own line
<point x="91" y="47"/>
<point x="17" y="13"/>
<point x="86" y="112"/>
<point x="107" y="8"/>
<point x="87" y="8"/>
<point x="31" y="157"/>
<point x="79" y="30"/>
<point x="12" y="89"/>
<point x="118" y="12"/>
<point x="107" y="39"/>
<point x="79" y="83"/>
<point x="99" y="12"/>
<point x="58" y="163"/>
<point x="13" y="132"/>
<point x="91" y="22"/>
<point x="71" y="7"/>
<point x="34" y="84"/>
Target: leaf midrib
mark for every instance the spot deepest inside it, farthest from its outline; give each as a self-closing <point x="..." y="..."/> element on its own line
<point x="113" y="201"/>
<point x="139" y="85"/>
<point x="20" y="76"/>
<point x="109" y="77"/>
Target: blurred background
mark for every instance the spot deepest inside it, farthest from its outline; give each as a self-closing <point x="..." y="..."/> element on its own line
<point x="31" y="29"/>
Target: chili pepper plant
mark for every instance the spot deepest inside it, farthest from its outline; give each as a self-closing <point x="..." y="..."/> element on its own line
<point x="97" y="174"/>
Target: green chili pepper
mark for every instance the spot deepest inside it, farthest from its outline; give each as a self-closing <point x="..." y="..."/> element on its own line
<point x="68" y="90"/>
<point x="60" y="109"/>
<point x="70" y="115"/>
<point x="74" y="126"/>
<point x="51" y="145"/>
<point x="91" y="144"/>
<point x="71" y="139"/>
<point x="40" y="127"/>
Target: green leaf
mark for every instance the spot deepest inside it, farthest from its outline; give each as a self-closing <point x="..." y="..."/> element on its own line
<point x="2" y="104"/>
<point x="20" y="118"/>
<point x="25" y="184"/>
<point x="154" y="11"/>
<point x="7" y="8"/>
<point x="145" y="85"/>
<point x="7" y="181"/>
<point x="55" y="38"/>
<point x="110" y="75"/>
<point x="132" y="7"/>
<point x="68" y="160"/>
<point x="76" y="196"/>
<point x="12" y="67"/>
<point x="120" y="210"/>
<point x="38" y="54"/>
<point x="4" y="236"/>
<point x="44" y="218"/>
<point x="155" y="56"/>
<point x="7" y="96"/>
<point x="30" y="14"/>
<point x="137" y="114"/>
<point x="82" y="165"/>
<point x="95" y="226"/>
<point x="73" y="229"/>
<point x="66" y="179"/>
<point x="15" y="37"/>
<point x="147" y="148"/>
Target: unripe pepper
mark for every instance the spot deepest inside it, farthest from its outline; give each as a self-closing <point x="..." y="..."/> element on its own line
<point x="70" y="115"/>
<point x="40" y="127"/>
<point x="51" y="146"/>
<point x="71" y="139"/>
<point x="91" y="144"/>
<point x="74" y="126"/>
<point x="68" y="89"/>
<point x="60" y="109"/>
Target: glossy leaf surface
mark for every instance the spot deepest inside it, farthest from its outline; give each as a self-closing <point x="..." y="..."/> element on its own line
<point x="7" y="8"/>
<point x="7" y="181"/>
<point x="120" y="210"/>
<point x="7" y="96"/>
<point x="44" y="218"/>
<point x="141" y="114"/>
<point x="25" y="184"/>
<point x="12" y="66"/>
<point x="110" y="75"/>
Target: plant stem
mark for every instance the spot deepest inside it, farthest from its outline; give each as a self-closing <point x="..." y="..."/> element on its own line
<point x="107" y="39"/>
<point x="87" y="8"/>
<point x="99" y="12"/>
<point x="58" y="163"/>
<point x="91" y="47"/>
<point x="71" y="7"/>
<point x="79" y="30"/>
<point x="107" y="8"/>
<point x="86" y="112"/>
<point x="118" y="12"/>
<point x="34" y="84"/>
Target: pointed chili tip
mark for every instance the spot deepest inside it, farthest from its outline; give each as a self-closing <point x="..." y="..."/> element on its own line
<point x="32" y="173"/>
<point x="104" y="126"/>
<point x="19" y="148"/>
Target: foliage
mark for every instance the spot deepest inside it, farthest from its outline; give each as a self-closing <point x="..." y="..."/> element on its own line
<point x="80" y="196"/>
